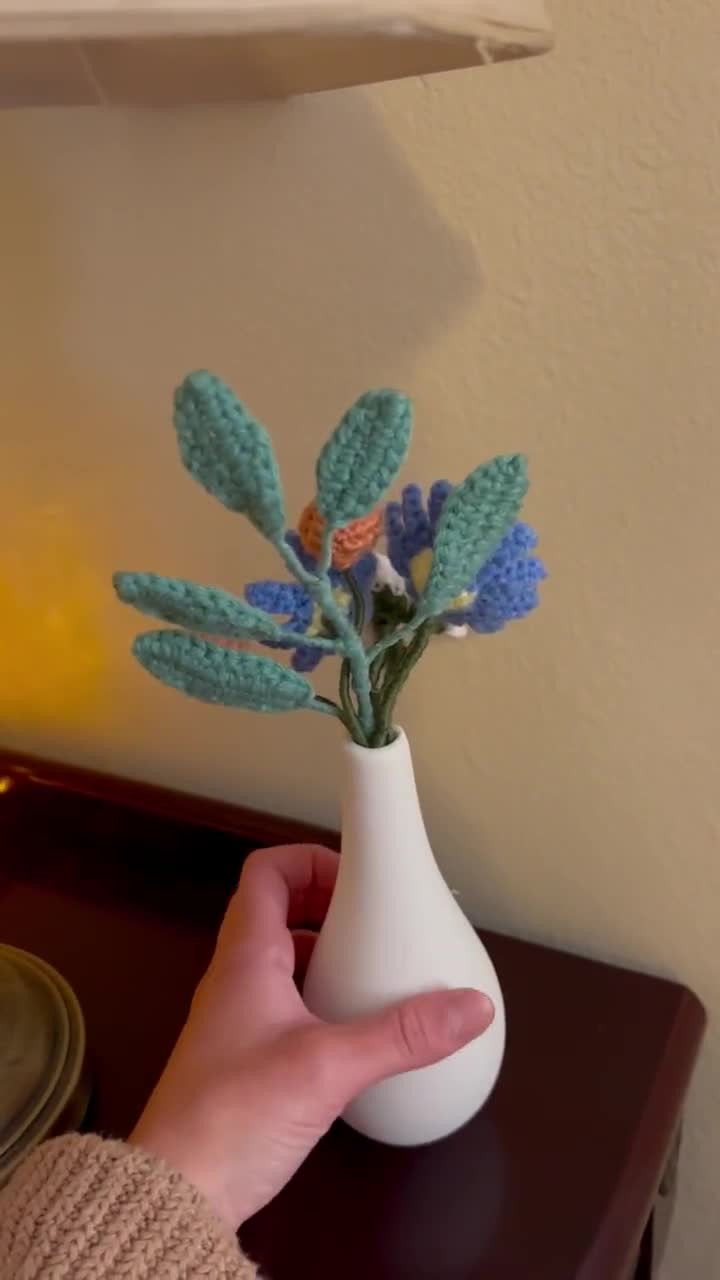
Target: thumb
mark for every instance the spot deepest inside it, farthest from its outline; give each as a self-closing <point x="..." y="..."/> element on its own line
<point x="415" y="1033"/>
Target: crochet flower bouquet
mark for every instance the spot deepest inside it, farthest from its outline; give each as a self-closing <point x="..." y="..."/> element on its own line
<point x="460" y="562"/>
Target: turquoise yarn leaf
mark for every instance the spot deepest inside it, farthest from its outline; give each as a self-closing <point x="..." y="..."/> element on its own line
<point x="228" y="452"/>
<point x="475" y="517"/>
<point x="363" y="456"/>
<point x="214" y="674"/>
<point x="186" y="604"/>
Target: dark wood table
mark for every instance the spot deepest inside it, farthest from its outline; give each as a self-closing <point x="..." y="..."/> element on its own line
<point x="567" y="1174"/>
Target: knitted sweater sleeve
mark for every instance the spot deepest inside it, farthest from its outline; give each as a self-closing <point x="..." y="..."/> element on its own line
<point x="81" y="1208"/>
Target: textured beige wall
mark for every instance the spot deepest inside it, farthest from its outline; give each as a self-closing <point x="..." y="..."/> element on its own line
<point x="534" y="253"/>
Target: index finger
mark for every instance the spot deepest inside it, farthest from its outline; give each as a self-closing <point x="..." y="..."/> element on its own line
<point x="279" y="889"/>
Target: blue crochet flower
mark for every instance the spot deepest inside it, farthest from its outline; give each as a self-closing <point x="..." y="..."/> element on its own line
<point x="294" y="603"/>
<point x="505" y="587"/>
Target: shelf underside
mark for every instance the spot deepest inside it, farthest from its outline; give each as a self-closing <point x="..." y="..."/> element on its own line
<point x="72" y="63"/>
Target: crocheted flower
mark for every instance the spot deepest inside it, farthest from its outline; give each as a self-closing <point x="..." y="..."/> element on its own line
<point x="348" y="544"/>
<point x="505" y="586"/>
<point x="302" y="616"/>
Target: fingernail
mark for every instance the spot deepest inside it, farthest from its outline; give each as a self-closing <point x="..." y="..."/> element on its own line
<point x="468" y="1014"/>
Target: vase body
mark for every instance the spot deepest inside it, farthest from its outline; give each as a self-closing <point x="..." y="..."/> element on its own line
<point x="394" y="929"/>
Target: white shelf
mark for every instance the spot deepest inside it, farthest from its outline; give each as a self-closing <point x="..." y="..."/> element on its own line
<point x="165" y="51"/>
<point x="524" y="19"/>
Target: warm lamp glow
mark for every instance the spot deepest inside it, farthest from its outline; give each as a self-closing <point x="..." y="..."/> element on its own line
<point x="50" y="607"/>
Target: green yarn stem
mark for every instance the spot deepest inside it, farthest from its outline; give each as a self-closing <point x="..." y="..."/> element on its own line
<point x="382" y="671"/>
<point x="351" y="642"/>
<point x="387" y="629"/>
<point x="394" y="637"/>
<point x="358" y="602"/>
<point x="357" y="732"/>
<point x="325" y="552"/>
<point x="377" y="672"/>
<point x="351" y="718"/>
<point x="312" y="642"/>
<point x="327" y="707"/>
<point x="397" y="673"/>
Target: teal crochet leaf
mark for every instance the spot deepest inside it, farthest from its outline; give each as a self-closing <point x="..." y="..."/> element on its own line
<point x="186" y="604"/>
<point x="215" y="674"/>
<point x="363" y="456"/>
<point x="475" y="517"/>
<point x="228" y="452"/>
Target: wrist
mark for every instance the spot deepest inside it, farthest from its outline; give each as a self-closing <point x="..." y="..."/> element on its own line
<point x="186" y="1150"/>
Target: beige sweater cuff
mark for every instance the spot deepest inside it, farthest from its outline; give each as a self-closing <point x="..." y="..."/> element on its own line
<point x="89" y="1209"/>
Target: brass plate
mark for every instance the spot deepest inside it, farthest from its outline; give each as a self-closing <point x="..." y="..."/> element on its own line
<point x="34" y="1042"/>
<point x="63" y="1092"/>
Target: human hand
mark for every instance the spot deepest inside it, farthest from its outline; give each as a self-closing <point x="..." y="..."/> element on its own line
<point x="255" y="1079"/>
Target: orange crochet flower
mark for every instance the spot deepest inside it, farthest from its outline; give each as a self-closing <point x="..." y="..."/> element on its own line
<point x="348" y="544"/>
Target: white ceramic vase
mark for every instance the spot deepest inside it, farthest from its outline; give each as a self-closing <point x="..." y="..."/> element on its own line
<point x="394" y="929"/>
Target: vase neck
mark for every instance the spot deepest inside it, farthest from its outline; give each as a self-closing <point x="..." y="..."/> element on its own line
<point x="381" y="815"/>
